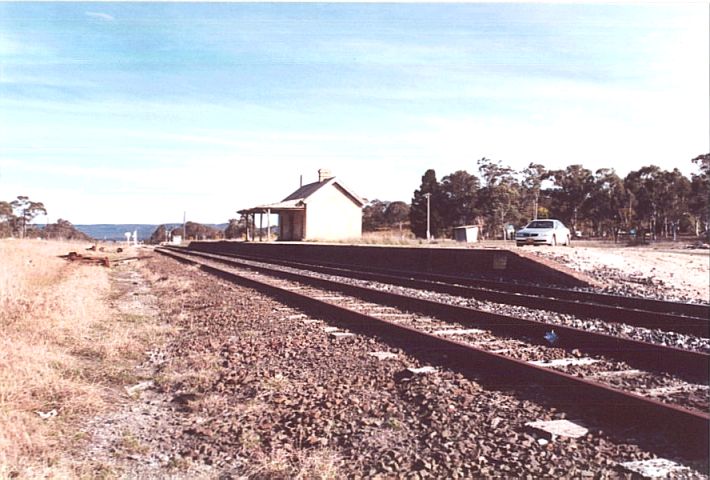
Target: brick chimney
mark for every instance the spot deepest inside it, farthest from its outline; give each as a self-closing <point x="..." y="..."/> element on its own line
<point x="324" y="174"/>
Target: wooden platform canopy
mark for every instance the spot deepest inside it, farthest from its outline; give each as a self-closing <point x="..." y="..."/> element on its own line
<point x="272" y="208"/>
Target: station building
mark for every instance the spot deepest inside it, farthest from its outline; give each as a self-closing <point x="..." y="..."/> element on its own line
<point x="322" y="210"/>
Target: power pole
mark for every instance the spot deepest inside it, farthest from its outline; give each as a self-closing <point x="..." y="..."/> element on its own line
<point x="184" y="230"/>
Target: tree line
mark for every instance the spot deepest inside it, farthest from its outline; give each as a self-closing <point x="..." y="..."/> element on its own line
<point x="16" y="221"/>
<point x="649" y="200"/>
<point x="17" y="215"/>
<point x="195" y="231"/>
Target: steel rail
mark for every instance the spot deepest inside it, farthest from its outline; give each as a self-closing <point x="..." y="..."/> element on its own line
<point x="616" y="314"/>
<point x="683" y="363"/>
<point x="701" y="311"/>
<point x="687" y="427"/>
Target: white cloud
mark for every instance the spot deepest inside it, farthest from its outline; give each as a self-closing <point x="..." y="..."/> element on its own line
<point x="101" y="16"/>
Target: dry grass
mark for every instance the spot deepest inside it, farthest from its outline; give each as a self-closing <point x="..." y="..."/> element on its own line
<point x="62" y="349"/>
<point x="320" y="464"/>
<point x="397" y="238"/>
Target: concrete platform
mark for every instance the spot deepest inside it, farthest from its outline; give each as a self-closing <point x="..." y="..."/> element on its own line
<point x="484" y="263"/>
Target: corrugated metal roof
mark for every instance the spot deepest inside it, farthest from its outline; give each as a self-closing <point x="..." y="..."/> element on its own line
<point x="306" y="191"/>
<point x="298" y="199"/>
<point x="276" y="207"/>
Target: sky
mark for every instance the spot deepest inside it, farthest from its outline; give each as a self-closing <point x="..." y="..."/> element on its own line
<point x="138" y="112"/>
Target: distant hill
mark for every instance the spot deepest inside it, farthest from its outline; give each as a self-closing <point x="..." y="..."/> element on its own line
<point x="111" y="231"/>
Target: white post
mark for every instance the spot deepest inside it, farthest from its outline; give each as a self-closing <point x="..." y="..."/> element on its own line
<point x="428" y="215"/>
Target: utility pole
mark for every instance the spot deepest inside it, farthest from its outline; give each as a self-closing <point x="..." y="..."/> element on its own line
<point x="428" y="215"/>
<point x="184" y="231"/>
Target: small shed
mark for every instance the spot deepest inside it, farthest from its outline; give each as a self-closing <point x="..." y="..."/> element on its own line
<point x="466" y="233"/>
<point x="322" y="210"/>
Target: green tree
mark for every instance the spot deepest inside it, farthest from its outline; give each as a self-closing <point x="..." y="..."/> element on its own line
<point x="499" y="198"/>
<point x="25" y="210"/>
<point x="646" y="185"/>
<point x="160" y="234"/>
<point x="460" y="193"/>
<point x="235" y="229"/>
<point x="64" y="230"/>
<point x="397" y="212"/>
<point x="533" y="176"/>
<point x="418" y="210"/>
<point x="699" y="201"/>
<point x="5" y="211"/>
<point x="703" y="162"/>
<point x="6" y="219"/>
<point x="607" y="202"/>
<point x="571" y="194"/>
<point x="373" y="215"/>
<point x="675" y="191"/>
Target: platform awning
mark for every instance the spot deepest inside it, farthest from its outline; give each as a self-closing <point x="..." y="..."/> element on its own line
<point x="286" y="206"/>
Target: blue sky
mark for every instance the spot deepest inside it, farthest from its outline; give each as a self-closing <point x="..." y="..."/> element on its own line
<point x="136" y="112"/>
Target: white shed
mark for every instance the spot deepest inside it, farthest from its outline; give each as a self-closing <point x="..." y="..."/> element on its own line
<point x="466" y="233"/>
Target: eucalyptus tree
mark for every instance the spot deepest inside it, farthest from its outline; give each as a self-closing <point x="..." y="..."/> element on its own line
<point x="25" y="210"/>
<point x="607" y="205"/>
<point x="646" y="186"/>
<point x="373" y="215"/>
<point x="6" y="217"/>
<point x="460" y="190"/>
<point x="500" y="195"/>
<point x="533" y="176"/>
<point x="396" y="213"/>
<point x="675" y="191"/>
<point x="699" y="201"/>
<point x="570" y="196"/>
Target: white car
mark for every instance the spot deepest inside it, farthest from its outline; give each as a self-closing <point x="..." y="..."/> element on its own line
<point x="543" y="232"/>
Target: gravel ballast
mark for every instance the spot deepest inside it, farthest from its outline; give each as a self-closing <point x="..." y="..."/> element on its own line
<point x="251" y="387"/>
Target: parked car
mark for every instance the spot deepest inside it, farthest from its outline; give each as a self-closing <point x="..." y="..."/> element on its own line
<point x="543" y="232"/>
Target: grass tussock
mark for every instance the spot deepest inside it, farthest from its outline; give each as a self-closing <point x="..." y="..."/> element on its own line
<point x="62" y="349"/>
<point x="299" y="465"/>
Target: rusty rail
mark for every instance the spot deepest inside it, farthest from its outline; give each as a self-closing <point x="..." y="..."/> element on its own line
<point x="689" y="325"/>
<point x="685" y="363"/>
<point x="701" y="311"/>
<point x="689" y="428"/>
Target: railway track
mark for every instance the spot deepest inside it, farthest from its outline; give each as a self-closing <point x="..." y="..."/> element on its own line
<point x="509" y="350"/>
<point x="685" y="318"/>
<point x="647" y="355"/>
